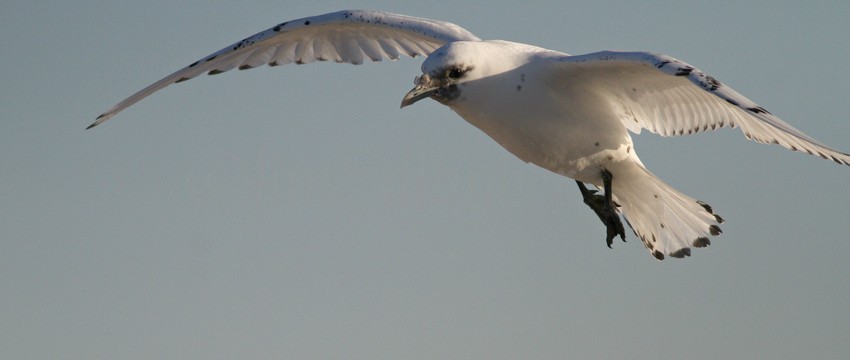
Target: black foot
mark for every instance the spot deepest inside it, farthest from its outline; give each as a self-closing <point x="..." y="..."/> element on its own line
<point x="604" y="208"/>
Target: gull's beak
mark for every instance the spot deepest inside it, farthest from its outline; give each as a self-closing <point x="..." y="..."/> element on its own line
<point x="424" y="88"/>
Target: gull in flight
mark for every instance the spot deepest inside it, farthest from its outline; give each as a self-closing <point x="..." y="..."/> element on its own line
<point x="567" y="114"/>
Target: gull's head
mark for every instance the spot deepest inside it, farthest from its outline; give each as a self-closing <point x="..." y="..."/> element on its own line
<point x="442" y="86"/>
<point x="448" y="69"/>
<point x="442" y="72"/>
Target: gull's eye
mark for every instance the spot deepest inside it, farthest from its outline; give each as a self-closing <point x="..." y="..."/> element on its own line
<point x="455" y="73"/>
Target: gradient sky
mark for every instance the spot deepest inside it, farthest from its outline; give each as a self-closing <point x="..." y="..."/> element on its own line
<point x="297" y="213"/>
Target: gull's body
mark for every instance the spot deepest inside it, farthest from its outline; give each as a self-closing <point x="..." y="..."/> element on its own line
<point x="568" y="114"/>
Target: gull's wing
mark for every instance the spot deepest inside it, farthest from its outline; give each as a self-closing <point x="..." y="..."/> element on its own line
<point x="346" y="36"/>
<point x="670" y="97"/>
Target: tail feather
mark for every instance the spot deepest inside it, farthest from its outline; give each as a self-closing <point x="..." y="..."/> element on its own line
<point x="667" y="221"/>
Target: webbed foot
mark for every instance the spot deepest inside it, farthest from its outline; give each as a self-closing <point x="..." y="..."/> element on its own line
<point x="605" y="208"/>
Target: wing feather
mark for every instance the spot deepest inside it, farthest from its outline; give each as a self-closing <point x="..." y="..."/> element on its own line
<point x="390" y="48"/>
<point x="670" y="97"/>
<point x="346" y="36"/>
<point x="370" y="48"/>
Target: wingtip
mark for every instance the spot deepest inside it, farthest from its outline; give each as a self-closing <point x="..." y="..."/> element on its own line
<point x="97" y="121"/>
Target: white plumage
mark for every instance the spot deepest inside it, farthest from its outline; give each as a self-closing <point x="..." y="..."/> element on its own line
<point x="344" y="36"/>
<point x="568" y="114"/>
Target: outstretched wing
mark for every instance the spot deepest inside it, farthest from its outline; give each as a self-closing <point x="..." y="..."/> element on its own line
<point x="346" y="36"/>
<point x="670" y="97"/>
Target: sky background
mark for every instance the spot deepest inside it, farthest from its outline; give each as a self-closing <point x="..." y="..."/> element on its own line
<point x="297" y="213"/>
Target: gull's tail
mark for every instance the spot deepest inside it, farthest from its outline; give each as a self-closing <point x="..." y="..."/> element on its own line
<point x="667" y="221"/>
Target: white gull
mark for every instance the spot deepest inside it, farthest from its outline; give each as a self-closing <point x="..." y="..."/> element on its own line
<point x="567" y="114"/>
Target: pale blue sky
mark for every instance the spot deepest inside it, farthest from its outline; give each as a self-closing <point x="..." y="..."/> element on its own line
<point x="297" y="213"/>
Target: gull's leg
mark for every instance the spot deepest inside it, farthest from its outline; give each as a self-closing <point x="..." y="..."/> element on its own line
<point x="604" y="207"/>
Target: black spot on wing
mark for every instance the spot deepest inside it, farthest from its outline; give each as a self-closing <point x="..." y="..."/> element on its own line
<point x="758" y="110"/>
<point x="684" y="71"/>
<point x="708" y="83"/>
<point x="658" y="255"/>
<point x="701" y="242"/>
<point x="714" y="230"/>
<point x="706" y="206"/>
<point x="244" y="43"/>
<point x="713" y="84"/>
<point x="681" y="253"/>
<point x="279" y="26"/>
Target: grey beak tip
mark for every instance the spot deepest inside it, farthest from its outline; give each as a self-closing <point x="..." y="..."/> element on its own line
<point x="418" y="93"/>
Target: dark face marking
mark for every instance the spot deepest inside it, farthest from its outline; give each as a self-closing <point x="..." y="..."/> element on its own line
<point x="453" y="72"/>
<point x="445" y="80"/>
<point x="446" y="93"/>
